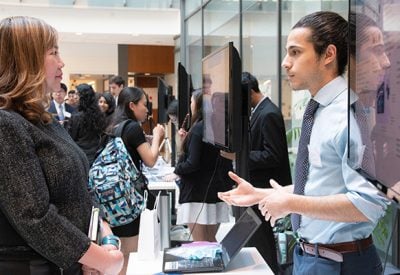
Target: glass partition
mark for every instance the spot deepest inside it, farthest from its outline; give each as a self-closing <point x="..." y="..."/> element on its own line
<point x="194" y="48"/>
<point x="260" y="45"/>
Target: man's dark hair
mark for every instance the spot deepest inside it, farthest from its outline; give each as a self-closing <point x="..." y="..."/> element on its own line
<point x="64" y="87"/>
<point x="71" y="92"/>
<point x="327" y="28"/>
<point x="117" y="80"/>
<point x="251" y="81"/>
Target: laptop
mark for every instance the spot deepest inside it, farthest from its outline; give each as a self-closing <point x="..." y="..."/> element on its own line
<point x="233" y="242"/>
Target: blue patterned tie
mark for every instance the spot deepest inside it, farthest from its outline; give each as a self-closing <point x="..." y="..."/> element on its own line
<point x="302" y="164"/>
<point x="61" y="114"/>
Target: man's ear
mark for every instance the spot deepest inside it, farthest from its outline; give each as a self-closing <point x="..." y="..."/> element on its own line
<point x="330" y="54"/>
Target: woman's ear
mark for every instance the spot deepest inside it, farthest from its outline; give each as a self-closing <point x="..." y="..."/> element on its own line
<point x="132" y="106"/>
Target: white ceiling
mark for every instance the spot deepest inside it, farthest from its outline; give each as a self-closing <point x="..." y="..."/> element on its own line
<point x="103" y="25"/>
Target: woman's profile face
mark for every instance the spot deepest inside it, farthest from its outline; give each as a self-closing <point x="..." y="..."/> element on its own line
<point x="103" y="104"/>
<point x="174" y="119"/>
<point x="53" y="66"/>
<point x="140" y="109"/>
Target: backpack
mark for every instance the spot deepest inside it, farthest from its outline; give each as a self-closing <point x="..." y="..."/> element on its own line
<point x="117" y="185"/>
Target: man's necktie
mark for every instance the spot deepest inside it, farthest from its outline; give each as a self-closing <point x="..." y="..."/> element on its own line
<point x="61" y="113"/>
<point x="302" y="164"/>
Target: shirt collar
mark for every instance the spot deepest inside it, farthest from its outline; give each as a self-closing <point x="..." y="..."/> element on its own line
<point x="258" y="104"/>
<point x="331" y="90"/>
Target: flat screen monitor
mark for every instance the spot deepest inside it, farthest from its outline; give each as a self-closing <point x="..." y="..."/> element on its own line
<point x="374" y="129"/>
<point x="185" y="88"/>
<point x="222" y="99"/>
<point x="164" y="95"/>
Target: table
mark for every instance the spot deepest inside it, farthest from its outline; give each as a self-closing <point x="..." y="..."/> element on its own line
<point x="248" y="261"/>
<point x="156" y="183"/>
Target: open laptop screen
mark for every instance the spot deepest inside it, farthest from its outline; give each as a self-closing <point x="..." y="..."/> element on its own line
<point x="241" y="232"/>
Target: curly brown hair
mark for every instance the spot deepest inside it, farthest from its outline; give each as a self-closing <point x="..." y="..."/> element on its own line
<point x="24" y="42"/>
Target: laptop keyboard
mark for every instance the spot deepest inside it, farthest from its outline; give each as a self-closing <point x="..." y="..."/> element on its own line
<point x="195" y="264"/>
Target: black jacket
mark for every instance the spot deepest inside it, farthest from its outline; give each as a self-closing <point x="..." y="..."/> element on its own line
<point x="199" y="163"/>
<point x="268" y="157"/>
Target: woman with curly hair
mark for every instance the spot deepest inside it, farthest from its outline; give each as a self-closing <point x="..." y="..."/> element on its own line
<point x="87" y="126"/>
<point x="45" y="206"/>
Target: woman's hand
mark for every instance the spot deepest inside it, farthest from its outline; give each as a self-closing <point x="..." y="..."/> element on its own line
<point x="227" y="155"/>
<point x="90" y="271"/>
<point x="182" y="133"/>
<point x="158" y="132"/>
<point x="170" y="177"/>
<point x="102" y="260"/>
<point x="117" y="258"/>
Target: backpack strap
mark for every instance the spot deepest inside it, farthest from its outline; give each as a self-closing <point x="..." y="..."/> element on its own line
<point x="121" y="126"/>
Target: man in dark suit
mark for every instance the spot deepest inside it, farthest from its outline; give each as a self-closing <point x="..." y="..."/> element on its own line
<point x="268" y="159"/>
<point x="61" y="110"/>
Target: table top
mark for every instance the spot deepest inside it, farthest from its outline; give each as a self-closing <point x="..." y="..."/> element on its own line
<point x="155" y="176"/>
<point x="248" y="261"/>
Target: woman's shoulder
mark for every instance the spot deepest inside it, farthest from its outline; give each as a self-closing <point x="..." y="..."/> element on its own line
<point x="12" y="119"/>
<point x="197" y="128"/>
<point x="133" y="129"/>
<point x="132" y="124"/>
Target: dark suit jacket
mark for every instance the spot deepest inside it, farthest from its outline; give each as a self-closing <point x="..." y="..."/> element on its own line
<point x="52" y="109"/>
<point x="268" y="157"/>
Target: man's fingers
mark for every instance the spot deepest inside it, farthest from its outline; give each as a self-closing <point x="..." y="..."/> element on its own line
<point x="273" y="221"/>
<point x="233" y="176"/>
<point x="274" y="184"/>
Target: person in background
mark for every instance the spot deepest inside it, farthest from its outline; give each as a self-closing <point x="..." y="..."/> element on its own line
<point x="117" y="83"/>
<point x="334" y="209"/>
<point x="45" y="206"/>
<point x="87" y="126"/>
<point x="369" y="64"/>
<point x="73" y="99"/>
<point x="172" y="113"/>
<point x="61" y="110"/>
<point x="268" y="159"/>
<point x="132" y="105"/>
<point x="107" y="105"/>
<point x="203" y="173"/>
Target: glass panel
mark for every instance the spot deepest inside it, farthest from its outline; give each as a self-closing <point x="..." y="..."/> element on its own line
<point x="191" y="6"/>
<point x="153" y="4"/>
<point x="260" y="39"/>
<point x="221" y="25"/>
<point x="142" y="4"/>
<point x="102" y="3"/>
<point x="294" y="101"/>
<point x="374" y="77"/>
<point x="193" y="48"/>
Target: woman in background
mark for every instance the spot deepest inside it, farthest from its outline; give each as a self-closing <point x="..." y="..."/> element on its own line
<point x="45" y="207"/>
<point x="203" y="173"/>
<point x="132" y="105"/>
<point x="107" y="105"/>
<point x="87" y="126"/>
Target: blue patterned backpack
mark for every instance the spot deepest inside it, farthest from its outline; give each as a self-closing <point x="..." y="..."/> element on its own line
<point x="116" y="183"/>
